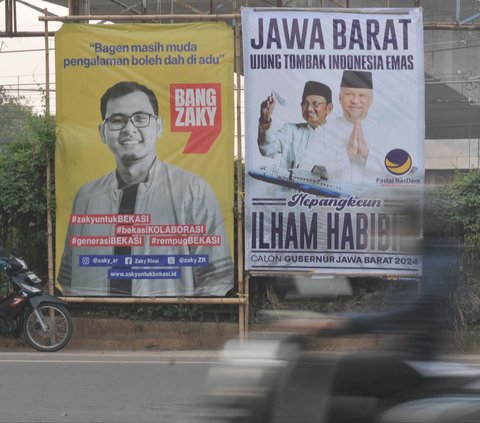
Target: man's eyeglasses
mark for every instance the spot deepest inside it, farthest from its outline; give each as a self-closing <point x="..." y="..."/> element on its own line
<point x="118" y="121"/>
<point x="314" y="104"/>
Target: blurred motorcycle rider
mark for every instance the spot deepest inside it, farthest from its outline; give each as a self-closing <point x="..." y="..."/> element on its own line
<point x="379" y="375"/>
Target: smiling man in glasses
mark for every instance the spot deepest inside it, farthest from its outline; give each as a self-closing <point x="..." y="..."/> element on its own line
<point x="144" y="185"/>
<point x="307" y="144"/>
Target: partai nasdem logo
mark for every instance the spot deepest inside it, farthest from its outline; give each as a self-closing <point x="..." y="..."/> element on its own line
<point x="398" y="162"/>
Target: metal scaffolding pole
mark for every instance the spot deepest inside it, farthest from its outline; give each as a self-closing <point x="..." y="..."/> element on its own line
<point x="242" y="297"/>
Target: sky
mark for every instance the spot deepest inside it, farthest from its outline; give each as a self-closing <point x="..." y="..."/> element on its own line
<point x="22" y="60"/>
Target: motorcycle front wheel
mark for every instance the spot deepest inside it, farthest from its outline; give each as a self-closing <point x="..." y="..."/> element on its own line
<point x="55" y="332"/>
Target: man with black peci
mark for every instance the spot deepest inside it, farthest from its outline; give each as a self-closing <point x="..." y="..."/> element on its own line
<point x="307" y="144"/>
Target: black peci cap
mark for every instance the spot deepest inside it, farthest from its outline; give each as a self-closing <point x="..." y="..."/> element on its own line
<point x="317" y="88"/>
<point x="357" y="79"/>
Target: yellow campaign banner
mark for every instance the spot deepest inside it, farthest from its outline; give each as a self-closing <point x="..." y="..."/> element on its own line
<point x="144" y="159"/>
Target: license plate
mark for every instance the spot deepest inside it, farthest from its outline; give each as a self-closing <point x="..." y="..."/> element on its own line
<point x="33" y="277"/>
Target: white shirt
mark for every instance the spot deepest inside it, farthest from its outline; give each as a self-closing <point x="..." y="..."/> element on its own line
<point x="358" y="169"/>
<point x="301" y="146"/>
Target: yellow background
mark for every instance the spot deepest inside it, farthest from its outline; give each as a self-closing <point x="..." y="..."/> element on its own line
<point x="80" y="154"/>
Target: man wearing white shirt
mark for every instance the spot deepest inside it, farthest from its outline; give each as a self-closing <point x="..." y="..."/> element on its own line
<point x="303" y="145"/>
<point x="361" y="139"/>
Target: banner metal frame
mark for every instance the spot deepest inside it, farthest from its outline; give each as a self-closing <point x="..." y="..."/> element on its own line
<point x="242" y="295"/>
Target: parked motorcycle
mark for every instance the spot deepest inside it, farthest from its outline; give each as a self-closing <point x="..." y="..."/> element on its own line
<point x="25" y="309"/>
<point x="273" y="378"/>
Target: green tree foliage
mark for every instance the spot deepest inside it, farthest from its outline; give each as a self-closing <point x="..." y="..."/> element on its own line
<point x="12" y="117"/>
<point x="459" y="205"/>
<point x="23" y="192"/>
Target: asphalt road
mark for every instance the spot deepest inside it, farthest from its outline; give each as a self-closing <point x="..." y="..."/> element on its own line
<point x="103" y="387"/>
<point x="135" y="387"/>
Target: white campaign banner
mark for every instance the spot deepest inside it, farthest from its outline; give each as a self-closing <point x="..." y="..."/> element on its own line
<point x="334" y="140"/>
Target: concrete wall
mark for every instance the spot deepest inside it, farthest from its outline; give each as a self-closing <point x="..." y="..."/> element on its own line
<point x="452" y="154"/>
